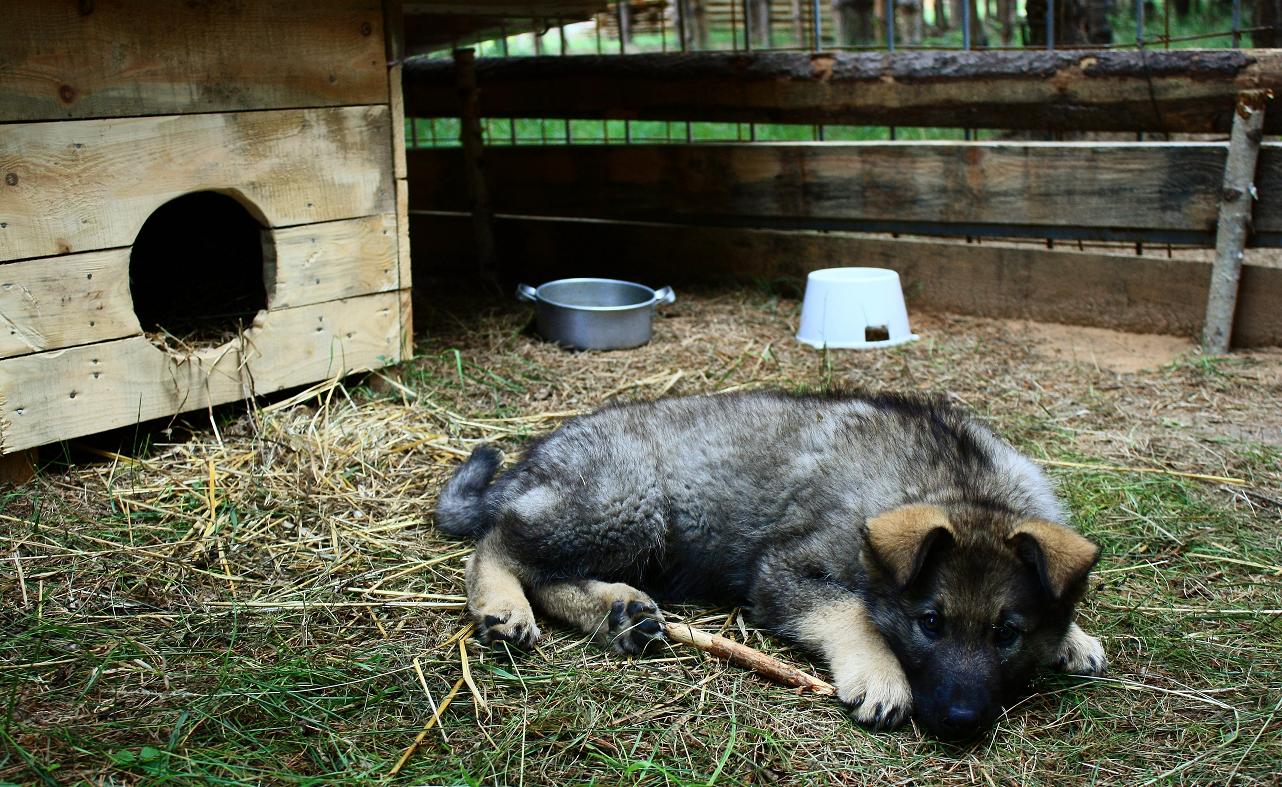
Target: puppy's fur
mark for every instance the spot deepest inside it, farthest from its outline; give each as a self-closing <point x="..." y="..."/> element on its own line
<point x="923" y="557"/>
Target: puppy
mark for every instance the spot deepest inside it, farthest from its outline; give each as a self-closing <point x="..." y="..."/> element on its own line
<point x="924" y="558"/>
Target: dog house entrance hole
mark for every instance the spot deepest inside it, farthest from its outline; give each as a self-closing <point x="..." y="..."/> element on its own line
<point x="196" y="271"/>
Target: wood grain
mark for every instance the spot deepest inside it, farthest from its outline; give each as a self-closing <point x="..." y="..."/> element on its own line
<point x="1164" y="91"/>
<point x="90" y="184"/>
<point x="66" y="393"/>
<point x="313" y="263"/>
<point x="59" y="302"/>
<point x="750" y="658"/>
<point x="1105" y="186"/>
<point x="56" y="302"/>
<point x="116" y="58"/>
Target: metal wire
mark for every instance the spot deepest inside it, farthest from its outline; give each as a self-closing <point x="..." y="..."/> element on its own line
<point x="1050" y="25"/>
<point x="750" y="24"/>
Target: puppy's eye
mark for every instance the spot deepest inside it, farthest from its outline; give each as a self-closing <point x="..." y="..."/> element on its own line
<point x="1005" y="634"/>
<point x="931" y="623"/>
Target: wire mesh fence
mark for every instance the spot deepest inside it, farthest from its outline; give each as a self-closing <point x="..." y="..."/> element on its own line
<point x="840" y="25"/>
<point x="689" y="26"/>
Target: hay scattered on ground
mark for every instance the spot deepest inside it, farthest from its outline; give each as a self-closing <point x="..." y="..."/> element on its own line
<point x="259" y="596"/>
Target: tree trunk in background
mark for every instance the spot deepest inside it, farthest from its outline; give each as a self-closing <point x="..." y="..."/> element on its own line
<point x="978" y="36"/>
<point x="758" y="18"/>
<point x="1070" y="22"/>
<point x="1006" y="15"/>
<point x="941" y="16"/>
<point x="856" y="21"/>
<point x="1099" y="27"/>
<point x="699" y="23"/>
<point x="624" y="17"/>
<point x="1182" y="8"/>
<point x="913" y="18"/>
<point x="798" y="27"/>
<point x="1268" y="15"/>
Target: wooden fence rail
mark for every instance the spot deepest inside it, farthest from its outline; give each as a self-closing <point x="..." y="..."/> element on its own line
<point x="1152" y="91"/>
<point x="1129" y="191"/>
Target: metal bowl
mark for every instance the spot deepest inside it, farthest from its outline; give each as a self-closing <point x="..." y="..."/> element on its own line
<point x="595" y="314"/>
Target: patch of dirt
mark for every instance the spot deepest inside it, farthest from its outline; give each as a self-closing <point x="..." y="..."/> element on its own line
<point x="1106" y="349"/>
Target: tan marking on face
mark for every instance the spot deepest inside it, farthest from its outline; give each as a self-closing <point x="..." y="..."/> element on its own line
<point x="1068" y="555"/>
<point x="897" y="536"/>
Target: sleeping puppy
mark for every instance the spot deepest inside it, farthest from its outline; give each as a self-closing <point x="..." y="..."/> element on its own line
<point x="924" y="558"/>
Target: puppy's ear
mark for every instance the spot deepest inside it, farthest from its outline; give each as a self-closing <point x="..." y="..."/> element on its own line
<point x="901" y="539"/>
<point x="1062" y="557"/>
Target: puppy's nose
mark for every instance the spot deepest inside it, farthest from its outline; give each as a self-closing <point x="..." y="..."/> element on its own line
<point x="961" y="720"/>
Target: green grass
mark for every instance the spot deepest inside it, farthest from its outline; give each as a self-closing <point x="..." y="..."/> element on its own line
<point x="141" y="644"/>
<point x="444" y="132"/>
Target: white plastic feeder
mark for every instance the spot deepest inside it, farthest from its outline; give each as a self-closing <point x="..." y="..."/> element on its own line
<point x="854" y="308"/>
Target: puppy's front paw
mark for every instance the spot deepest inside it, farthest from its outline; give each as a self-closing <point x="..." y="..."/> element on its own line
<point x="877" y="692"/>
<point x="1081" y="654"/>
<point x="513" y="626"/>
<point x="634" y="624"/>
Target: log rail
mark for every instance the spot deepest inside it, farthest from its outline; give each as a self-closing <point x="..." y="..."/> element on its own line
<point x="1172" y="91"/>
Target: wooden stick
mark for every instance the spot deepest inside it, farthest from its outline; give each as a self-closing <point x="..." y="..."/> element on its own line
<point x="1237" y="198"/>
<point x="744" y="656"/>
<point x="1157" y="470"/>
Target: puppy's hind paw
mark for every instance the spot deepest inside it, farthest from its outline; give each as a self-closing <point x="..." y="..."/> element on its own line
<point x="1081" y="654"/>
<point x="877" y="698"/>
<point x="634" y="625"/>
<point x="516" y="627"/>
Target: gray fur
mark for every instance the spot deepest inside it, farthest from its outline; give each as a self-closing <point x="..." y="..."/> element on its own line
<point x="754" y="498"/>
<point x="460" y="510"/>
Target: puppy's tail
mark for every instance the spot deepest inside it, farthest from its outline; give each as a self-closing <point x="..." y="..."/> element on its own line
<point x="461" y="509"/>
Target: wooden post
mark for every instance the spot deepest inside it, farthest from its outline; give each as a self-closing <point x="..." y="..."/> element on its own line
<point x="473" y="142"/>
<point x="17" y="468"/>
<point x="1237" y="196"/>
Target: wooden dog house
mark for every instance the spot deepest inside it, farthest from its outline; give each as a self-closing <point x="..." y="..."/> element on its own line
<point x="284" y="120"/>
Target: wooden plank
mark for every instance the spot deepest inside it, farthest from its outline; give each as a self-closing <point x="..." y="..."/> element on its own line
<point x="314" y="263"/>
<point x="407" y="325"/>
<point x="433" y="26"/>
<point x="1165" y="91"/>
<point x="404" y="268"/>
<point x="56" y="302"/>
<point x="66" y="393"/>
<point x="396" y="114"/>
<point x="64" y="301"/>
<point x="1148" y="294"/>
<point x="548" y="9"/>
<point x="17" y="469"/>
<point x="90" y="184"/>
<point x="394" y="29"/>
<point x="116" y="58"/>
<point x="1108" y="186"/>
<point x="403" y="280"/>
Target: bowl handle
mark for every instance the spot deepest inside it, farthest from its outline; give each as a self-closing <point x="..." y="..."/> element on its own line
<point x="525" y="292"/>
<point x="664" y="295"/>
